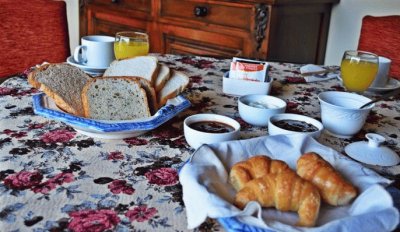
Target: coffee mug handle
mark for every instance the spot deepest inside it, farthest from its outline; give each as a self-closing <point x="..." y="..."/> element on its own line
<point x="80" y="58"/>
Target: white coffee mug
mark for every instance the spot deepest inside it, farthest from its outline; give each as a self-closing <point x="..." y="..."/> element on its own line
<point x="382" y="76"/>
<point x="95" y="51"/>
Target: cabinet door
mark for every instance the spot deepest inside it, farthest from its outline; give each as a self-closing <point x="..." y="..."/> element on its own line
<point x="214" y="28"/>
<point x="181" y="40"/>
<point x="102" y="21"/>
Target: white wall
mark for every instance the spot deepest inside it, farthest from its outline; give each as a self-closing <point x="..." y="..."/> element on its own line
<point x="73" y="23"/>
<point x="345" y="25"/>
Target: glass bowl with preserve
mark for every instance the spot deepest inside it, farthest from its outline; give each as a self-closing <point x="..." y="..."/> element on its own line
<point x="294" y="124"/>
<point x="210" y="128"/>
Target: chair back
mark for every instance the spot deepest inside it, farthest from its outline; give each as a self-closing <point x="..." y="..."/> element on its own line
<point x="32" y="32"/>
<point x="381" y="35"/>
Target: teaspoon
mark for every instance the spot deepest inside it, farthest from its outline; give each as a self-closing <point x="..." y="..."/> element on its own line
<point x="383" y="97"/>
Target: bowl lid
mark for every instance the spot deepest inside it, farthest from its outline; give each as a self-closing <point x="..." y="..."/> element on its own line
<point x="372" y="152"/>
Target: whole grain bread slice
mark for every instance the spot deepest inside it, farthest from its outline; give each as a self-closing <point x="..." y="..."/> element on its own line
<point x="173" y="87"/>
<point x="63" y="83"/>
<point x="150" y="92"/>
<point x="141" y="66"/>
<point x="115" y="98"/>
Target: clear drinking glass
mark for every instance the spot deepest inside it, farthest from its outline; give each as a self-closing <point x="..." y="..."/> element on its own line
<point x="358" y="70"/>
<point x="130" y="44"/>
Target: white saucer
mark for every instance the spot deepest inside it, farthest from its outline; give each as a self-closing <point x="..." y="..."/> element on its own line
<point x="90" y="69"/>
<point x="391" y="85"/>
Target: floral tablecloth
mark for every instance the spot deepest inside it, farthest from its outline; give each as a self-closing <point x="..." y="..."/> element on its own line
<point x="55" y="179"/>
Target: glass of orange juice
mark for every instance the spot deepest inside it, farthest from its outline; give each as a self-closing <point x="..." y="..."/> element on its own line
<point x="358" y="70"/>
<point x="130" y="44"/>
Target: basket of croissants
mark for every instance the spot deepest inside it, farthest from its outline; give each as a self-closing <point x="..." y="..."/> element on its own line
<point x="273" y="184"/>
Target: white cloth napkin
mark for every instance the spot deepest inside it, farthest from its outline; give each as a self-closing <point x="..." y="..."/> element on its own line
<point x="207" y="193"/>
<point x="313" y="73"/>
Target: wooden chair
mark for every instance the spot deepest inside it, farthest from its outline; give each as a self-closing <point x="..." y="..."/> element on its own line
<point x="32" y="32"/>
<point x="381" y="35"/>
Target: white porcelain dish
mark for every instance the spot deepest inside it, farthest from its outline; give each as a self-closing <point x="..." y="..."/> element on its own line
<point x="242" y="87"/>
<point x="195" y="138"/>
<point x="87" y="69"/>
<point x="45" y="106"/>
<point x="340" y="113"/>
<point x="392" y="84"/>
<point x="372" y="152"/>
<point x="275" y="130"/>
<point x="256" y="109"/>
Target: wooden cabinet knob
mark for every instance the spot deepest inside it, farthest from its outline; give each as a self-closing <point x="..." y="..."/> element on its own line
<point x="200" y="11"/>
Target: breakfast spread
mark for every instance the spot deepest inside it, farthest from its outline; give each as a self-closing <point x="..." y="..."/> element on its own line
<point x="273" y="184"/>
<point x="129" y="89"/>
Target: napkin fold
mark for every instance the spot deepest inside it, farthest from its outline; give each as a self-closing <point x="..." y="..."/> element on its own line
<point x="313" y="73"/>
<point x="207" y="193"/>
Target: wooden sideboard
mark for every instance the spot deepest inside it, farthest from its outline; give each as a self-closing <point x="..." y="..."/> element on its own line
<point x="274" y="30"/>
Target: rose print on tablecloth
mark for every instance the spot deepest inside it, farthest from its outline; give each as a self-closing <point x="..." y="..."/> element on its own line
<point x="93" y="220"/>
<point x="58" y="136"/>
<point x="120" y="186"/>
<point x="115" y="155"/>
<point x="23" y="180"/>
<point x="52" y="183"/>
<point x="141" y="213"/>
<point x="162" y="176"/>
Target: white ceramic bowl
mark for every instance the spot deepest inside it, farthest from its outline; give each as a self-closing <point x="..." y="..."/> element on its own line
<point x="195" y="138"/>
<point x="340" y="113"/>
<point x="273" y="129"/>
<point x="256" y="109"/>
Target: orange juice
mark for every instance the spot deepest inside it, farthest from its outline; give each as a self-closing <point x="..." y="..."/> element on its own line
<point x="127" y="49"/>
<point x="358" y="75"/>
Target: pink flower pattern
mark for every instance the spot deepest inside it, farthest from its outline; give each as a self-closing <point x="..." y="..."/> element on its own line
<point x="23" y="180"/>
<point x="120" y="186"/>
<point x="162" y="176"/>
<point x="141" y="213"/>
<point x="93" y="220"/>
<point x="58" y="136"/>
<point x="115" y="155"/>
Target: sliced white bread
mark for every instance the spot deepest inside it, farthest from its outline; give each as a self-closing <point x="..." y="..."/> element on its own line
<point x="173" y="87"/>
<point x="162" y="78"/>
<point x="115" y="98"/>
<point x="140" y="66"/>
<point x="63" y="83"/>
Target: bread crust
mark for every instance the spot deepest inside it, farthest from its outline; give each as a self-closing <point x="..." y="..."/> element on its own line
<point x="32" y="75"/>
<point x="163" y="100"/>
<point x="60" y="102"/>
<point x="164" y="78"/>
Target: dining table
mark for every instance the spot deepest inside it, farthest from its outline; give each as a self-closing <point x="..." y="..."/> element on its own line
<point x="53" y="178"/>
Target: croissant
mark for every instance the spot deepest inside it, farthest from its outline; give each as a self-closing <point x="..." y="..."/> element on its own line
<point x="332" y="186"/>
<point x="256" y="166"/>
<point x="285" y="191"/>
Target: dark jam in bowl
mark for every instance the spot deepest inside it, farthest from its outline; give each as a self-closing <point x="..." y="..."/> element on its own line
<point x="295" y="125"/>
<point x="211" y="127"/>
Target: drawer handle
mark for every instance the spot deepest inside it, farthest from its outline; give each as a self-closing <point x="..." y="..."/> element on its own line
<point x="200" y="11"/>
<point x="114" y="1"/>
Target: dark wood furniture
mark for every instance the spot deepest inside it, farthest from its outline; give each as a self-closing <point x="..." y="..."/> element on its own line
<point x="275" y="30"/>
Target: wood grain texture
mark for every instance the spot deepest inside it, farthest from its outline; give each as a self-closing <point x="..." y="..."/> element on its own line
<point x="275" y="30"/>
